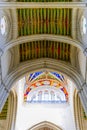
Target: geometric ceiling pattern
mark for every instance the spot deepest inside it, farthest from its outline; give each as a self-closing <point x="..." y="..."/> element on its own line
<point x="3" y="114"/>
<point x="44" y="49"/>
<point x="44" y="21"/>
<point x="42" y="79"/>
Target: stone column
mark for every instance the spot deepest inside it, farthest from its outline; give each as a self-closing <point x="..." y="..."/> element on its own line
<point x="83" y="90"/>
<point x="4" y="92"/>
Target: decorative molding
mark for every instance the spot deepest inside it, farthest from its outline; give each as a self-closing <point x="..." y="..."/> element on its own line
<point x="74" y="18"/>
<point x="12" y="5"/>
<point x="45" y="63"/>
<point x="45" y="124"/>
<point x="12" y="110"/>
<point x="14" y="23"/>
<point x="78" y="112"/>
<point x="7" y="37"/>
<point x="39" y="37"/>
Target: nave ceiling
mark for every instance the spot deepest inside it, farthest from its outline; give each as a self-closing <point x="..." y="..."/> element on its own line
<point x="44" y="21"/>
<point x="40" y="21"/>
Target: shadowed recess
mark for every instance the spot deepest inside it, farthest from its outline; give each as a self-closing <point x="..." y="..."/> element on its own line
<point x="44" y="49"/>
<point x="3" y="114"/>
<point x="44" y="21"/>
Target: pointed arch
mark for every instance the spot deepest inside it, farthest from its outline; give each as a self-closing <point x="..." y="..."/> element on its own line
<point x="40" y="64"/>
<point x="45" y="124"/>
<point x="24" y="39"/>
<point x="78" y="112"/>
<point x="12" y="109"/>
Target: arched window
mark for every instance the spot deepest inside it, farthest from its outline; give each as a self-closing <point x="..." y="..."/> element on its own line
<point x="33" y="98"/>
<point x="46" y="94"/>
<point x="45" y="87"/>
<point x="39" y="95"/>
<point x="52" y="95"/>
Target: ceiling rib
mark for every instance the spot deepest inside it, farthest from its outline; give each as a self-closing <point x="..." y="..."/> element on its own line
<point x="44" y="21"/>
<point x="17" y="5"/>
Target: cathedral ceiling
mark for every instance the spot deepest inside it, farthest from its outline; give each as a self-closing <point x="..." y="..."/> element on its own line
<point x="45" y="49"/>
<point x="44" y="21"/>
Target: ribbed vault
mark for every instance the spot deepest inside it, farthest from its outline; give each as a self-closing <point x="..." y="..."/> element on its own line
<point x="42" y="53"/>
<point x="44" y="21"/>
<point x="45" y="49"/>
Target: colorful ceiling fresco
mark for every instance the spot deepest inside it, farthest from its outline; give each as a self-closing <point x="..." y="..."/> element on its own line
<point x="43" y="79"/>
<point x="44" y="21"/>
<point x="45" y="49"/>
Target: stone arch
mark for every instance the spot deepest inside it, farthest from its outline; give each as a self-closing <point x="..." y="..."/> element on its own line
<point x="44" y="64"/>
<point x="12" y="109"/>
<point x="40" y="37"/>
<point x="45" y="124"/>
<point x="40" y="64"/>
<point x="78" y="112"/>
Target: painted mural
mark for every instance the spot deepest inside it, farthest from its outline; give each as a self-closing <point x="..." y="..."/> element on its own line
<point x="44" y="21"/>
<point x="42" y="79"/>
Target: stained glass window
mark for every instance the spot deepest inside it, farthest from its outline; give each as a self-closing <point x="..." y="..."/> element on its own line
<point x="40" y="96"/>
<point x="47" y="94"/>
<point x="52" y="95"/>
<point x="45" y="86"/>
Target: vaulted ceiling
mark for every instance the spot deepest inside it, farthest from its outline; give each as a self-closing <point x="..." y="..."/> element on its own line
<point x="44" y="21"/>
<point x="45" y="49"/>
